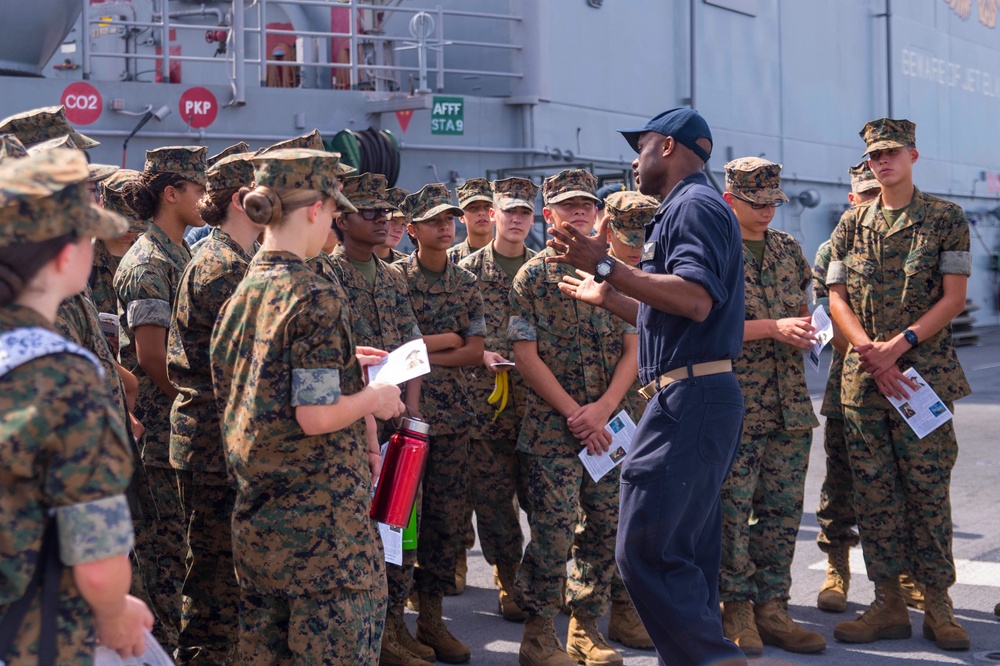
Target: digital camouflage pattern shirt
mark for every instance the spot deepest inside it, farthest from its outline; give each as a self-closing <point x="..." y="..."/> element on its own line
<point x="821" y="296"/>
<point x="208" y="281"/>
<point x="581" y="345"/>
<point x="772" y="373"/>
<point x="893" y="277"/>
<point x="64" y="448"/>
<point x="146" y="284"/>
<point x="300" y="524"/>
<point x="453" y="304"/>
<point x="102" y="279"/>
<point x="494" y="285"/>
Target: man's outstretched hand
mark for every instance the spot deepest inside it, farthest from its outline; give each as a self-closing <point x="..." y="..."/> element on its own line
<point x="577" y="249"/>
<point x="585" y="289"/>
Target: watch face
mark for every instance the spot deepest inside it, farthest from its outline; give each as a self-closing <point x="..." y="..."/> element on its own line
<point x="604" y="267"/>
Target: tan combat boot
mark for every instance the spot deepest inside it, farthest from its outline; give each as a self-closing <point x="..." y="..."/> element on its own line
<point x="585" y="643"/>
<point x="432" y="631"/>
<point x="940" y="624"/>
<point x="887" y="617"/>
<point x="503" y="576"/>
<point x="833" y="593"/>
<point x="394" y="653"/>
<point x="626" y="627"/>
<point x="404" y="638"/>
<point x="540" y="646"/>
<point x="738" y="625"/>
<point x="776" y="627"/>
<point x="913" y="592"/>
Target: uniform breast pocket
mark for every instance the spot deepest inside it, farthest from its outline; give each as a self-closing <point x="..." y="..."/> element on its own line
<point x="560" y="323"/>
<point x="920" y="260"/>
<point x="860" y="271"/>
<point x="792" y="303"/>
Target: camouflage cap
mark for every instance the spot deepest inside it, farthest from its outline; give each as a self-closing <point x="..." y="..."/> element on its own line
<point x="301" y="169"/>
<point x="395" y="196"/>
<point x="64" y="141"/>
<point x="241" y="147"/>
<point x="11" y="147"/>
<point x="311" y="141"/>
<point x="888" y="133"/>
<point x="367" y="191"/>
<point x="474" y="189"/>
<point x="39" y="125"/>
<point x="45" y="196"/>
<point x="429" y="201"/>
<point x="567" y="184"/>
<point x="230" y="172"/>
<point x="113" y="199"/>
<point x="99" y="172"/>
<point x="862" y="178"/>
<point x="755" y="179"/>
<point x="187" y="162"/>
<point x="628" y="214"/>
<point x="513" y="193"/>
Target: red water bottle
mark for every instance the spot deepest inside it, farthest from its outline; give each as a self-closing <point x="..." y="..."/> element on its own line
<point x="404" y="463"/>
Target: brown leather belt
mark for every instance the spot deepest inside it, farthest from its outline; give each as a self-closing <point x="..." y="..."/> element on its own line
<point x="697" y="370"/>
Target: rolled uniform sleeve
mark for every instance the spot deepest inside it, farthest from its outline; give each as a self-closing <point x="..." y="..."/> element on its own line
<point x="522" y="324"/>
<point x="956" y="258"/>
<point x="145" y="290"/>
<point x="320" y="353"/>
<point x="836" y="272"/>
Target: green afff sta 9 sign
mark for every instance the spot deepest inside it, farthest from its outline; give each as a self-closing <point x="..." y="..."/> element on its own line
<point x="448" y="115"/>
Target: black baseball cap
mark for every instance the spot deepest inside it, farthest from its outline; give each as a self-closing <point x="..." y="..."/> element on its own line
<point x="685" y="125"/>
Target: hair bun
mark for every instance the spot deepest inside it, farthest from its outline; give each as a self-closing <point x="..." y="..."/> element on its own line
<point x="262" y="205"/>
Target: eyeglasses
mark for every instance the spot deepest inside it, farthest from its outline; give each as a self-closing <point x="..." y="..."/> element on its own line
<point x="759" y="206"/>
<point x="372" y="215"/>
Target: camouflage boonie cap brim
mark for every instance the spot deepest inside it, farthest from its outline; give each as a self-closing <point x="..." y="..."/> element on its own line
<point x="42" y="124"/>
<point x="514" y="193"/>
<point x="862" y="178"/>
<point x="64" y="141"/>
<point x="888" y="133"/>
<point x="231" y="172"/>
<point x="188" y="162"/>
<point x="11" y="147"/>
<point x="112" y="198"/>
<point x="311" y="141"/>
<point x="430" y="201"/>
<point x="755" y="179"/>
<point x="396" y="196"/>
<point x="474" y="189"/>
<point x="628" y="214"/>
<point x="301" y="169"/>
<point x="567" y="184"/>
<point x="236" y="148"/>
<point x="368" y="192"/>
<point x="99" y="172"/>
<point x="45" y="196"/>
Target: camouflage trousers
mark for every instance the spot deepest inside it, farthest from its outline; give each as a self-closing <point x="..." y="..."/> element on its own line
<point x="210" y="593"/>
<point x="443" y="509"/>
<point x="161" y="552"/>
<point x="618" y="595"/>
<point x="496" y="489"/>
<point x="836" y="514"/>
<point x="902" y="488"/>
<point x="328" y="628"/>
<point x="558" y="491"/>
<point x="765" y="488"/>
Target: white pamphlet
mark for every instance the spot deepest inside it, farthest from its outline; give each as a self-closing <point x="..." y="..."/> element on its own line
<point x="824" y="333"/>
<point x="402" y="364"/>
<point x="923" y="411"/>
<point x="621" y="428"/>
<point x="392" y="542"/>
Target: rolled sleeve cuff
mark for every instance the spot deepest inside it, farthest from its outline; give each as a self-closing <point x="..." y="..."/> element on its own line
<point x="629" y="329"/>
<point x="148" y="312"/>
<point x="93" y="531"/>
<point x="955" y="263"/>
<point x="520" y="328"/>
<point x="707" y="279"/>
<point x="477" y="327"/>
<point x="836" y="274"/>
<point x="315" y="387"/>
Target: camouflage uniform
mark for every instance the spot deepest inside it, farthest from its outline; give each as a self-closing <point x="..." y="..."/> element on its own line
<point x="581" y="345"/>
<point x="893" y="276"/>
<point x="768" y="475"/>
<point x="474" y="189"/>
<point x="308" y="559"/>
<point x="210" y="622"/>
<point x="64" y="448"/>
<point x="146" y="284"/>
<point x="454" y="305"/>
<point x="835" y="515"/>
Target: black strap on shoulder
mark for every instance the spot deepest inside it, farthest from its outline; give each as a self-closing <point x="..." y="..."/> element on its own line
<point x="48" y="572"/>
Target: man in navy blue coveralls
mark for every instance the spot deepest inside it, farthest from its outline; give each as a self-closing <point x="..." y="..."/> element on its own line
<point x="687" y="300"/>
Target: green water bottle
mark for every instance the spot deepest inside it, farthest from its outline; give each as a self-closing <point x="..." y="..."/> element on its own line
<point x="410" y="531"/>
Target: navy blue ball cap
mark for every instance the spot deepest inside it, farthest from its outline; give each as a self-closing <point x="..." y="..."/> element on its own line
<point x="684" y="124"/>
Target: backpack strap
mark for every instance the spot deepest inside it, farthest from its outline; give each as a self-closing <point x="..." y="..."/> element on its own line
<point x="48" y="572"/>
